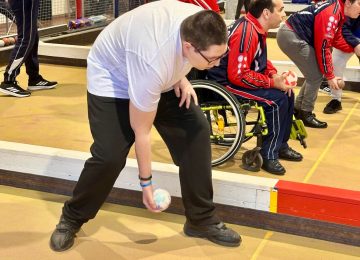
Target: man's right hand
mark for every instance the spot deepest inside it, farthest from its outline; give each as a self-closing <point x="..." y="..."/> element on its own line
<point x="148" y="199"/>
<point x="279" y="83"/>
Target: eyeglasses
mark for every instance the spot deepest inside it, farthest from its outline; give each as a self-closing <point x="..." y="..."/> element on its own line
<point x="213" y="60"/>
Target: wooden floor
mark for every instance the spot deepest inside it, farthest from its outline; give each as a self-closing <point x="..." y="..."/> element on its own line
<point x="119" y="232"/>
<point x="58" y="118"/>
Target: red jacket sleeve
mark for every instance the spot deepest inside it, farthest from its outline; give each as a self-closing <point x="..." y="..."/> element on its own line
<point x="206" y="4"/>
<point x="325" y="26"/>
<point x="270" y="69"/>
<point x="340" y="43"/>
<point x="243" y="46"/>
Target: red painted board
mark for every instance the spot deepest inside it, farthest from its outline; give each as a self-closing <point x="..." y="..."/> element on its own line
<point x="314" y="208"/>
<point x="319" y="202"/>
<point x="324" y="192"/>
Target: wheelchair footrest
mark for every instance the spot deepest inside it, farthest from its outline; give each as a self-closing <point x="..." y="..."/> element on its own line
<point x="298" y="131"/>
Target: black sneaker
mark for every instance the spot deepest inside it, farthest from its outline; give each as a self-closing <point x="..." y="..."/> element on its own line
<point x="64" y="235"/>
<point x="13" y="89"/>
<point x="217" y="233"/>
<point x="332" y="107"/>
<point x="325" y="88"/>
<point x="41" y="83"/>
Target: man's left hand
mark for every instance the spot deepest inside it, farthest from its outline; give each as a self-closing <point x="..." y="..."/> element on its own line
<point x="185" y="91"/>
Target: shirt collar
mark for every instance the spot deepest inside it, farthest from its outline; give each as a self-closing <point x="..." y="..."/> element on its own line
<point x="256" y="23"/>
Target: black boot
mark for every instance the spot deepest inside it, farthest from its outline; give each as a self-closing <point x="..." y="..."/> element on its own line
<point x="217" y="233"/>
<point x="273" y="167"/>
<point x="290" y="154"/>
<point x="309" y="119"/>
<point x="64" y="235"/>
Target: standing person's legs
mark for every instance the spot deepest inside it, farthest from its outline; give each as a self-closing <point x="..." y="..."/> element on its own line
<point x="26" y="13"/>
<point x="303" y="55"/>
<point x="238" y="8"/>
<point x="340" y="59"/>
<point x="36" y="81"/>
<point x="32" y="61"/>
<point x="246" y="5"/>
<point x="113" y="138"/>
<point x="187" y="136"/>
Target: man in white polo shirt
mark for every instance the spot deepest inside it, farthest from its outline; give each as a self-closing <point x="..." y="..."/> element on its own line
<point x="136" y="79"/>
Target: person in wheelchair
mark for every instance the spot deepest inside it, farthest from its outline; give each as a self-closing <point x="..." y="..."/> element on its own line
<point x="248" y="74"/>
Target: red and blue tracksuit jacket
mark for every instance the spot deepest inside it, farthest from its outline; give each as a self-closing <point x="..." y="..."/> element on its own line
<point x="351" y="34"/>
<point x="319" y="25"/>
<point x="247" y="73"/>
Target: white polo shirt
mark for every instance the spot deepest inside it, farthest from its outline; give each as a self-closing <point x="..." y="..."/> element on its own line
<point x="139" y="55"/>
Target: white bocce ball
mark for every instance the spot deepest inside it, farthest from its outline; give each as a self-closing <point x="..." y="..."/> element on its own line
<point x="162" y="199"/>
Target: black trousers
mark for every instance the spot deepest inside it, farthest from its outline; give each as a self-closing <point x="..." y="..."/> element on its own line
<point x="239" y="6"/>
<point x="26" y="47"/>
<point x="186" y="134"/>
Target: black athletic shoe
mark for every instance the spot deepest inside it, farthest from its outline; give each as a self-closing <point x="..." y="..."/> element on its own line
<point x="13" y="89"/>
<point x="217" y="233"/>
<point x="41" y="83"/>
<point x="332" y="107"/>
<point x="64" y="235"/>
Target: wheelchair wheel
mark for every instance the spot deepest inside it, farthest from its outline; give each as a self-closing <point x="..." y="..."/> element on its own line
<point x="226" y="119"/>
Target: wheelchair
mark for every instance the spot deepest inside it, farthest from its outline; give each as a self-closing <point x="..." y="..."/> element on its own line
<point x="234" y="121"/>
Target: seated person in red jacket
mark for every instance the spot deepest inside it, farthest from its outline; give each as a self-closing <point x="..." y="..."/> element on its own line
<point x="247" y="73"/>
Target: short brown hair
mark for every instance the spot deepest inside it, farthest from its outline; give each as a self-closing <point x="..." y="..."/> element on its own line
<point x="256" y="7"/>
<point x="204" y="29"/>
